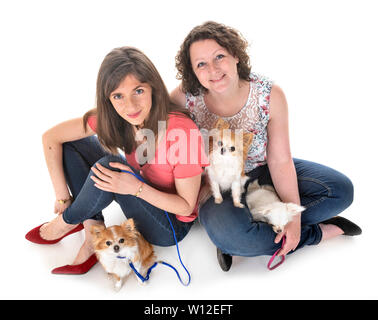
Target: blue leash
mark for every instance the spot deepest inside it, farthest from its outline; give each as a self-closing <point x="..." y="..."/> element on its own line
<point x="143" y="279"/>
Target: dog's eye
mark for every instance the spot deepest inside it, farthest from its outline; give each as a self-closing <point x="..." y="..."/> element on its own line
<point x="108" y="243"/>
<point x="220" y="143"/>
<point x="232" y="149"/>
<point x="121" y="240"/>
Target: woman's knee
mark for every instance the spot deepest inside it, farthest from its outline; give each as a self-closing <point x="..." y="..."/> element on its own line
<point x="81" y="144"/>
<point x="337" y="195"/>
<point x="344" y="190"/>
<point x="318" y="183"/>
<point x="68" y="148"/>
<point x="255" y="239"/>
<point x="87" y="149"/>
<point x="104" y="161"/>
<point x="233" y="231"/>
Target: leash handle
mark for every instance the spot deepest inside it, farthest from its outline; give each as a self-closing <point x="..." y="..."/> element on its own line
<point x="162" y="262"/>
<point x="274" y="255"/>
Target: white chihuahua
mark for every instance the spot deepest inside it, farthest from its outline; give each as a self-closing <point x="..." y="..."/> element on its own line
<point x="265" y="205"/>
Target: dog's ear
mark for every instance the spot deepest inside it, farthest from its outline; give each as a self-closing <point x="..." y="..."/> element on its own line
<point x="211" y="143"/>
<point x="221" y="124"/>
<point x="294" y="208"/>
<point x="262" y="214"/>
<point x="97" y="229"/>
<point x="264" y="211"/>
<point x="247" y="140"/>
<point x="128" y="225"/>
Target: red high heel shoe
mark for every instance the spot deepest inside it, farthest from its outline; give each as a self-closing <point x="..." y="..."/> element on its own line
<point x="77" y="268"/>
<point x="34" y="235"/>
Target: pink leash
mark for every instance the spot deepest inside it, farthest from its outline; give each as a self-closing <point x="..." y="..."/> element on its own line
<point x="274" y="255"/>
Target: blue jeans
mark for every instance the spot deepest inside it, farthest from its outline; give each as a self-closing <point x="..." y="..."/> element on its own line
<point x="323" y="191"/>
<point x="78" y="158"/>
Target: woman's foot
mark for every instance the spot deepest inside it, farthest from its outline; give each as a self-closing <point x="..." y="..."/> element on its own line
<point x="330" y="231"/>
<point x="337" y="226"/>
<point x="86" y="249"/>
<point x="55" y="229"/>
<point x="85" y="258"/>
<point x="85" y="252"/>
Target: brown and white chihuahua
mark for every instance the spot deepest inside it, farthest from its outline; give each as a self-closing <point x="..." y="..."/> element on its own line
<point x="228" y="151"/>
<point x="116" y="246"/>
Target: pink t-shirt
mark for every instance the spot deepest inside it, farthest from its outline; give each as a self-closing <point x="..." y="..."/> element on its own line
<point x="180" y="154"/>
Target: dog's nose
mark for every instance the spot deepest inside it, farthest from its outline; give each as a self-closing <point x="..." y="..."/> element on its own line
<point x="223" y="150"/>
<point x="116" y="248"/>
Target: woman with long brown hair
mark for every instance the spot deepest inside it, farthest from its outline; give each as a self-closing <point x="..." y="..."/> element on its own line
<point x="133" y="114"/>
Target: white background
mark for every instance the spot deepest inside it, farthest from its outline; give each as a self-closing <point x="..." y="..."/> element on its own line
<point x="322" y="53"/>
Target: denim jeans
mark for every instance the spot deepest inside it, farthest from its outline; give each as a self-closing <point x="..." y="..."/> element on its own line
<point x="323" y="191"/>
<point x="89" y="201"/>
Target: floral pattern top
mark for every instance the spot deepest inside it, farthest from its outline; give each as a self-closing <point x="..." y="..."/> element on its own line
<point x="253" y="117"/>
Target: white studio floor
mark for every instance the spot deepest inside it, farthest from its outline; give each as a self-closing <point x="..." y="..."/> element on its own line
<point x="342" y="268"/>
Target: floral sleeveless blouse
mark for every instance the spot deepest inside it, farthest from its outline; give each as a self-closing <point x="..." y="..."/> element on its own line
<point x="253" y="117"/>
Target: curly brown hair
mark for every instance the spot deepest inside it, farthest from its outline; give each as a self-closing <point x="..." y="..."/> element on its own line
<point x="226" y="37"/>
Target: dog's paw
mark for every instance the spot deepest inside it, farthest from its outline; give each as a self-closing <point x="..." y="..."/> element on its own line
<point x="142" y="283"/>
<point x="239" y="205"/>
<point x="218" y="200"/>
<point x="118" y="285"/>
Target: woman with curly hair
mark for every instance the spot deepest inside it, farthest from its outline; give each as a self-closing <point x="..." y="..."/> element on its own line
<point x="217" y="82"/>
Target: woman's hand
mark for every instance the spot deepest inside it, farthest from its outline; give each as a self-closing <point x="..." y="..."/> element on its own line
<point x="292" y="231"/>
<point x="114" y="181"/>
<point x="60" y="207"/>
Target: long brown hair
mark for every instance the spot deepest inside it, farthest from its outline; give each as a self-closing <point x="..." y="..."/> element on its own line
<point x="226" y="37"/>
<point x="112" y="130"/>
